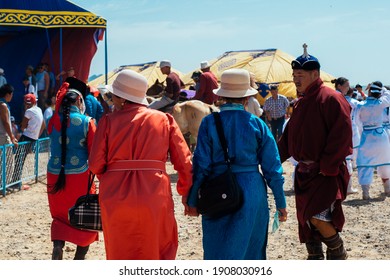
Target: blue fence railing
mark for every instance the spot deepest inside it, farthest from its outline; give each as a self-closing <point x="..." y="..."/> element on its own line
<point x="26" y="162"/>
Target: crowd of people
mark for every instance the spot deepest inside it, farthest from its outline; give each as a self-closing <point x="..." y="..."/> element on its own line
<point x="118" y="145"/>
<point x="39" y="99"/>
<point x="43" y="84"/>
<point x="370" y="134"/>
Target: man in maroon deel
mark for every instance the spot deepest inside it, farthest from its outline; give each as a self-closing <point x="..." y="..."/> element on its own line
<point x="208" y="82"/>
<point x="319" y="137"/>
<point x="171" y="92"/>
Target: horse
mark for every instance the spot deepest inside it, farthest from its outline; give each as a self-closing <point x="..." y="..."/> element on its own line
<point x="189" y="114"/>
<point x="184" y="95"/>
<point x="156" y="89"/>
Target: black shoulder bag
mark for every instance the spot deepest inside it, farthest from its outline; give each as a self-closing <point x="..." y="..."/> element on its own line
<point x="220" y="195"/>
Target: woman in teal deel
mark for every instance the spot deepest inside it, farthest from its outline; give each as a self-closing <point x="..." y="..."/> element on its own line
<point x="251" y="146"/>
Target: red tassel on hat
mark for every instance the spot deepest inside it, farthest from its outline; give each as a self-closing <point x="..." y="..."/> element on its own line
<point x="55" y="119"/>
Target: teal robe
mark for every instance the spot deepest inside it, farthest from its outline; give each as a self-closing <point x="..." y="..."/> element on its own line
<point x="243" y="234"/>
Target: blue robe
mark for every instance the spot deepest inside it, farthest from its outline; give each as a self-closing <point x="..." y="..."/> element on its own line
<point x="93" y="108"/>
<point x="242" y="235"/>
<point x="374" y="144"/>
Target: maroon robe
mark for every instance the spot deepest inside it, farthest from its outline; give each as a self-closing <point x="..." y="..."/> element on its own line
<point x="208" y="82"/>
<point x="319" y="130"/>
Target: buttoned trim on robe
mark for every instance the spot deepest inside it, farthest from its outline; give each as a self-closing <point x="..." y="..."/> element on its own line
<point x="59" y="203"/>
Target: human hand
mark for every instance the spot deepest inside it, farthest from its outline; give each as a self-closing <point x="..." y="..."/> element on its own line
<point x="185" y="204"/>
<point x="14" y="141"/>
<point x="192" y="212"/>
<point x="282" y="214"/>
<point x="188" y="210"/>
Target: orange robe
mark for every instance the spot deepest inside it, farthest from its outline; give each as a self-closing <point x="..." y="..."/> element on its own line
<point x="59" y="203"/>
<point x="129" y="153"/>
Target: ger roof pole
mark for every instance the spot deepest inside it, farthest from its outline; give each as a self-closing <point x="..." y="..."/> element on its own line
<point x="106" y="57"/>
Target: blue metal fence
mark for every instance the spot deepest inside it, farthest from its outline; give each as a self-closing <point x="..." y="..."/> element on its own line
<point x="23" y="163"/>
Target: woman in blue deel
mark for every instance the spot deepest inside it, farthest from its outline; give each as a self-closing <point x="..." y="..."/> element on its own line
<point x="251" y="147"/>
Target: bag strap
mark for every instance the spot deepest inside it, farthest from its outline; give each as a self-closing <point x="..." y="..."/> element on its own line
<point x="221" y="135"/>
<point x="91" y="178"/>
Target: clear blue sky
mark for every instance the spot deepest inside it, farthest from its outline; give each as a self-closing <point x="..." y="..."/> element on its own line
<point x="350" y="38"/>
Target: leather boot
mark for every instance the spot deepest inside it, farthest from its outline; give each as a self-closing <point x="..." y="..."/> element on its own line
<point x="314" y="250"/>
<point x="57" y="249"/>
<point x="366" y="192"/>
<point x="335" y="250"/>
<point x="81" y="252"/>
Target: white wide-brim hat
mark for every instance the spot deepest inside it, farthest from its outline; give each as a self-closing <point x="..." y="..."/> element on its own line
<point x="131" y="86"/>
<point x="165" y="63"/>
<point x="235" y="83"/>
<point x="204" y="64"/>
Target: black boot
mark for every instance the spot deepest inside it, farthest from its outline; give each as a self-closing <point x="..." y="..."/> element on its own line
<point x="314" y="250"/>
<point x="57" y="249"/>
<point x="335" y="250"/>
<point x="81" y="252"/>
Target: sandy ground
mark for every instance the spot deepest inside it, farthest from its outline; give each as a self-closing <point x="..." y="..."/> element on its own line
<point x="25" y="227"/>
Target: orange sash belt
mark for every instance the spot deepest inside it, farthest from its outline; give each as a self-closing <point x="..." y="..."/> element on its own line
<point x="122" y="165"/>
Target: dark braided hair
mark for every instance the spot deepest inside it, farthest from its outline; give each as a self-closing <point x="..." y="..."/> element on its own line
<point x="70" y="98"/>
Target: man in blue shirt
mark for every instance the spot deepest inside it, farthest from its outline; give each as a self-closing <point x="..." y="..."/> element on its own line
<point x="275" y="108"/>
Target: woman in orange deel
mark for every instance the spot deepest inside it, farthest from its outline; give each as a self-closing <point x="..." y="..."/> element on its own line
<point x="129" y="153"/>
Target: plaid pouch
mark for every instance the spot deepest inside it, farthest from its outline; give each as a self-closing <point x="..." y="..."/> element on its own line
<point x="85" y="214"/>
